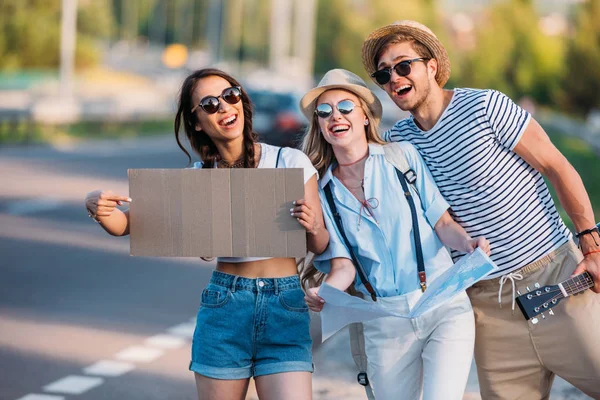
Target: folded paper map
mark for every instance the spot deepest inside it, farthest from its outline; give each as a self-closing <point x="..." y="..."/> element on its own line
<point x="341" y="309"/>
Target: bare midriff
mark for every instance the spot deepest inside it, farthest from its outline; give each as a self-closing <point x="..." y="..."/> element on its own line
<point x="269" y="268"/>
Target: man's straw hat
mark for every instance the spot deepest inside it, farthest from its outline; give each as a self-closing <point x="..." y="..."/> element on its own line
<point x="420" y="33"/>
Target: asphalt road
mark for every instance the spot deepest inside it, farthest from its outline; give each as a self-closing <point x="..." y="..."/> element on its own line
<point x="79" y="317"/>
<point x="71" y="296"/>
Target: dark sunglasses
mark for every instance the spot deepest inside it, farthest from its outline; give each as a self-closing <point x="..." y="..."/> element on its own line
<point x="384" y="75"/>
<point x="325" y="110"/>
<point x="211" y="104"/>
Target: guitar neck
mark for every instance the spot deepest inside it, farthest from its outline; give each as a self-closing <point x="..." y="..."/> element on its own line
<point x="577" y="284"/>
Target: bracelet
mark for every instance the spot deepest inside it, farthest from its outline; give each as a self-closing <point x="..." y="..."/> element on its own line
<point x="587" y="232"/>
<point x="591" y="252"/>
<point x="93" y="216"/>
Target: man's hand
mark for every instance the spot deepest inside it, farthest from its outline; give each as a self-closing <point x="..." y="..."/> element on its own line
<point x="591" y="264"/>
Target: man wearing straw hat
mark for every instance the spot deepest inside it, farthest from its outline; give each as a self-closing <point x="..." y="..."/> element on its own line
<point x="488" y="157"/>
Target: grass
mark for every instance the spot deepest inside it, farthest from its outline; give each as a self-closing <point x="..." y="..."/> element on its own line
<point x="586" y="161"/>
<point x="24" y="132"/>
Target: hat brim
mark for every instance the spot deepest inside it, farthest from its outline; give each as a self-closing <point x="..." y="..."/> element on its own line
<point x="428" y="39"/>
<point x="308" y="103"/>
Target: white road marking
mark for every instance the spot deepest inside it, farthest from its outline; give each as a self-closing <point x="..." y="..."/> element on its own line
<point x="73" y="384"/>
<point x="186" y="330"/>
<point x="139" y="354"/>
<point x="32" y="206"/>
<point x="165" y="341"/>
<point x="41" y="397"/>
<point x="109" y="368"/>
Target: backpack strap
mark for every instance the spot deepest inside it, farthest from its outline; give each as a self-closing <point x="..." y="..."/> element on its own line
<point x="278" y="157"/>
<point x="357" y="338"/>
<point x="395" y="156"/>
<point x="406" y="176"/>
<point x="359" y="354"/>
<point x="338" y="221"/>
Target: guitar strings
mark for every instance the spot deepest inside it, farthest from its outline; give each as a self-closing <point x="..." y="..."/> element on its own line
<point x="576" y="284"/>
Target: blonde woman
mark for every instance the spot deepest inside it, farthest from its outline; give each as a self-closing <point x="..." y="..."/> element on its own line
<point x="428" y="356"/>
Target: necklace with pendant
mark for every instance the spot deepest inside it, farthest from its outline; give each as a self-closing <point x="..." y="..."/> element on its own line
<point x="240" y="163"/>
<point x="236" y="164"/>
<point x="361" y="186"/>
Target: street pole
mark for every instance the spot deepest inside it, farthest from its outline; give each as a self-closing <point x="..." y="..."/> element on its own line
<point x="68" y="34"/>
<point x="235" y="19"/>
<point x="213" y="24"/>
<point x="304" y="37"/>
<point x="280" y="34"/>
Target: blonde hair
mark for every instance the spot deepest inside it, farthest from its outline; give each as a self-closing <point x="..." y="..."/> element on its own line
<point x="310" y="276"/>
<point x="320" y="153"/>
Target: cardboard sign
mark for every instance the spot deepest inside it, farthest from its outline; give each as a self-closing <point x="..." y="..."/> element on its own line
<point x="216" y="212"/>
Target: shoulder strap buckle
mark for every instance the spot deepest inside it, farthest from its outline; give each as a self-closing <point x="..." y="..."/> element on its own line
<point x="410" y="176"/>
<point x="362" y="378"/>
<point x="423" y="280"/>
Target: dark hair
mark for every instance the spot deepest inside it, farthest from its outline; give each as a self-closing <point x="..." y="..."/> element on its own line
<point x="199" y="140"/>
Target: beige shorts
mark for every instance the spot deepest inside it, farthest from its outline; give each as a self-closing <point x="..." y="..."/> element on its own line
<point x="517" y="359"/>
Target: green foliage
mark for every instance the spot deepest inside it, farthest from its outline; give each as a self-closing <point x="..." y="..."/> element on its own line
<point x="30" y="32"/>
<point x="343" y="25"/>
<point x="585" y="161"/>
<point x="513" y="55"/>
<point x="255" y="31"/>
<point x="94" y="18"/>
<point x="511" y="52"/>
<point x="162" y="22"/>
<point x="582" y="81"/>
<point x="24" y="131"/>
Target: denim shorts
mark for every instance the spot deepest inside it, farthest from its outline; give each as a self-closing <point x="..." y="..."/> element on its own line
<point x="251" y="327"/>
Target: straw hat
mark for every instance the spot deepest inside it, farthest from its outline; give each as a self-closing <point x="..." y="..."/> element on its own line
<point x="345" y="80"/>
<point x="420" y="33"/>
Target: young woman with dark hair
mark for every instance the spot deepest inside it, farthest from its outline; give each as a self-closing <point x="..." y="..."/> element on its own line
<point x="253" y="320"/>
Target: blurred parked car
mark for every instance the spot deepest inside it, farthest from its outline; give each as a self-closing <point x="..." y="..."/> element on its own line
<point x="277" y="117"/>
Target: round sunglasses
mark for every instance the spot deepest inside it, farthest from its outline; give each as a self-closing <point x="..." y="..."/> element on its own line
<point x="211" y="104"/>
<point x="345" y="107"/>
<point x="384" y="75"/>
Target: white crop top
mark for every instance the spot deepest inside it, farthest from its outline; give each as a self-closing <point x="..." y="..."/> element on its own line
<point x="288" y="158"/>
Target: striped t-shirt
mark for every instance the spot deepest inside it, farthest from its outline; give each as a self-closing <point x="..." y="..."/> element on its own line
<point x="492" y="191"/>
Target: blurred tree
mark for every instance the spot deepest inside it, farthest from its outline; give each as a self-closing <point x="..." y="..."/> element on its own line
<point x="255" y="31"/>
<point x="30" y="32"/>
<point x="581" y="83"/>
<point x="343" y="25"/>
<point x="513" y="55"/>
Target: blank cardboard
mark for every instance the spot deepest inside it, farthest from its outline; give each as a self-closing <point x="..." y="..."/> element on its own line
<point x="213" y="212"/>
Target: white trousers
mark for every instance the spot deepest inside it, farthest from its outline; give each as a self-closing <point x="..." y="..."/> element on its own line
<point x="427" y="358"/>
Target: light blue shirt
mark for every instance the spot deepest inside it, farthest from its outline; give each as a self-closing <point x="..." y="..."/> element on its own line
<point x="384" y="243"/>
